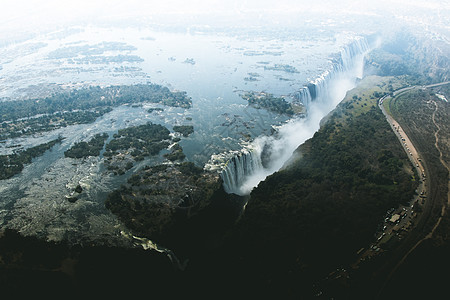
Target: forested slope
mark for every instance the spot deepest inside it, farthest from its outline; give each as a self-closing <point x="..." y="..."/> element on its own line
<point x="312" y="217"/>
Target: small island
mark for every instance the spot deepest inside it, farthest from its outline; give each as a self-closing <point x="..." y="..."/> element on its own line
<point x="189" y="61"/>
<point x="134" y="144"/>
<point x="185" y="130"/>
<point x="281" y="67"/>
<point x="80" y="106"/>
<point x="13" y="164"/>
<point x="158" y="109"/>
<point x="268" y="101"/>
<point x="101" y="59"/>
<point x="89" y="50"/>
<point x="85" y="149"/>
<point x="252" y="77"/>
<point x="48" y="122"/>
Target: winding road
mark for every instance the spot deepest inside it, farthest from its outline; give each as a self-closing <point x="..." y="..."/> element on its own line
<point x="414" y="240"/>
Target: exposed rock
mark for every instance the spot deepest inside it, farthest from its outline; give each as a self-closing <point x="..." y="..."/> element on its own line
<point x="156" y="196"/>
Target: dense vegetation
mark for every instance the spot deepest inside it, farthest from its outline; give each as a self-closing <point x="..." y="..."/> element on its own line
<point x="146" y="139"/>
<point x="49" y="122"/>
<point x="269" y="102"/>
<point x="93" y="97"/>
<point x="313" y="216"/>
<point x="185" y="130"/>
<point x="147" y="204"/>
<point x="176" y="153"/>
<point x="13" y="164"/>
<point x="134" y="144"/>
<point x="85" y="149"/>
<point x="302" y="222"/>
<point x="18" y="118"/>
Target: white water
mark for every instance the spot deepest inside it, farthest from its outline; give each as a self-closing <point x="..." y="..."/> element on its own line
<point x="245" y="171"/>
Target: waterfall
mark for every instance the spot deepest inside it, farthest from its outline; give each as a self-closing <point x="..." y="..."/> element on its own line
<point x="238" y="167"/>
<point x="346" y="61"/>
<point x="268" y="154"/>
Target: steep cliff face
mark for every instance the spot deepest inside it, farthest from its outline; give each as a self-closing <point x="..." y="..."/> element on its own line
<point x="238" y="167"/>
<point x="345" y="62"/>
<point x="316" y="213"/>
<point x="247" y="169"/>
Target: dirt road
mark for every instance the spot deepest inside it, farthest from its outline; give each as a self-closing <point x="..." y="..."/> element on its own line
<point x="415" y="157"/>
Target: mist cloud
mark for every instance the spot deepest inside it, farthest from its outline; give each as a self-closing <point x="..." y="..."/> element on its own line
<point x="32" y="14"/>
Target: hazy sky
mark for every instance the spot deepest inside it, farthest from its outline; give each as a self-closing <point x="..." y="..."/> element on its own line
<point x="35" y="13"/>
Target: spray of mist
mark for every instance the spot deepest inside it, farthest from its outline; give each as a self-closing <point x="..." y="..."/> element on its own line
<point x="280" y="147"/>
<point x="290" y="136"/>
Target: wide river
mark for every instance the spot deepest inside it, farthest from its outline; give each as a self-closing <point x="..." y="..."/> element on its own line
<point x="214" y="68"/>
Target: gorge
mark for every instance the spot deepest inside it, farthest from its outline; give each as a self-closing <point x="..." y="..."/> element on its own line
<point x="267" y="154"/>
<point x="234" y="152"/>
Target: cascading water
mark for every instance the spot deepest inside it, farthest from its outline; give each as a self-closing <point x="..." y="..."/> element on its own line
<point x="244" y="171"/>
<point x="346" y="62"/>
<point x="239" y="167"/>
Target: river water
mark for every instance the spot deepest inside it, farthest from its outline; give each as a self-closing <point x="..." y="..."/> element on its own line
<point x="214" y="68"/>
